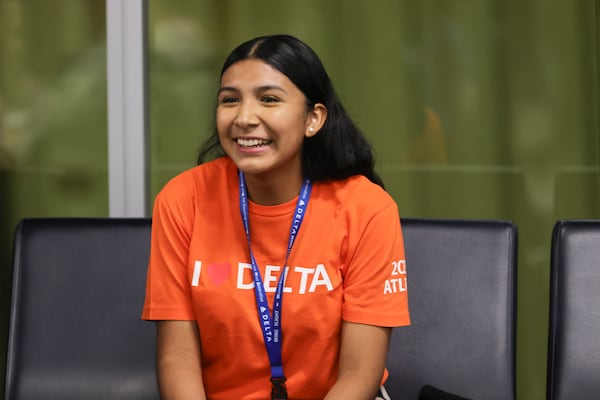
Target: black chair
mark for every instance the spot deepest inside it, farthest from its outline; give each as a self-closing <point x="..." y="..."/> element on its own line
<point x="75" y="327"/>
<point x="462" y="297"/>
<point x="574" y="332"/>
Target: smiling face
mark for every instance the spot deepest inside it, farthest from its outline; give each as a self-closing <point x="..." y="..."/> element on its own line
<point x="262" y="119"/>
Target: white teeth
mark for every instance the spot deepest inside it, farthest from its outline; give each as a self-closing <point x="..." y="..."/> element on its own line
<point x="252" y="142"/>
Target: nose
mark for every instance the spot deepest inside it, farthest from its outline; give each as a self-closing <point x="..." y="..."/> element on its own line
<point x="246" y="116"/>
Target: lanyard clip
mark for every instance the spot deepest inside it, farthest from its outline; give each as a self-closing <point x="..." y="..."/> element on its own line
<point x="278" y="390"/>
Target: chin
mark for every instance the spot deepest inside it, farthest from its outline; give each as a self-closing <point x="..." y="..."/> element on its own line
<point x="251" y="167"/>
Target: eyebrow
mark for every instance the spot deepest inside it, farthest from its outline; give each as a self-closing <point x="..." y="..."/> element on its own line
<point x="260" y="89"/>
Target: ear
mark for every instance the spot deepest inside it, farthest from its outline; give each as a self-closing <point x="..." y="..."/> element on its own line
<point x="315" y="120"/>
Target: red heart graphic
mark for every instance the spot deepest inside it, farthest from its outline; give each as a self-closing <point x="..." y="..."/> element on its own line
<point x="218" y="272"/>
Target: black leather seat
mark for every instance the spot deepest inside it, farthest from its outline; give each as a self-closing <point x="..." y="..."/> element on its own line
<point x="75" y="328"/>
<point x="462" y="298"/>
<point x="574" y="332"/>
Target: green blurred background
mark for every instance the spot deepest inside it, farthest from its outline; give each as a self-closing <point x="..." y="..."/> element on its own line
<point x="476" y="109"/>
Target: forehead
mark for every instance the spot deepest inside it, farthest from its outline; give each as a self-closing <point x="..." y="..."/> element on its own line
<point x="252" y="73"/>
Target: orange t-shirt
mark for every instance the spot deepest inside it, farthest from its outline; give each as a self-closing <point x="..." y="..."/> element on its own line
<point x="347" y="264"/>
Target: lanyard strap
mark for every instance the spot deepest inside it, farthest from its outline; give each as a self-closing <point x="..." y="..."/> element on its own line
<point x="271" y="324"/>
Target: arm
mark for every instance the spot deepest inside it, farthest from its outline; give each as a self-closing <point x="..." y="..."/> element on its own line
<point x="178" y="361"/>
<point x="362" y="361"/>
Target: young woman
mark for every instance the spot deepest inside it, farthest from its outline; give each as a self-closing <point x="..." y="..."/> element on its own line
<point x="277" y="264"/>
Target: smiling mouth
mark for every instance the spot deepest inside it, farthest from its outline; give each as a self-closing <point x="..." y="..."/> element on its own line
<point x="252" y="142"/>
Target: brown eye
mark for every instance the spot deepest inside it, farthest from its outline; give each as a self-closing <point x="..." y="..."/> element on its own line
<point x="269" y="99"/>
<point x="228" y="100"/>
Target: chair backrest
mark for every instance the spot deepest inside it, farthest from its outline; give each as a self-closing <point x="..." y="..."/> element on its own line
<point x="462" y="296"/>
<point x="574" y="331"/>
<point x="75" y="327"/>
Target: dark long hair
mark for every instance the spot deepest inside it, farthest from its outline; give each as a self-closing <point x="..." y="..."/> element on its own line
<point x="339" y="150"/>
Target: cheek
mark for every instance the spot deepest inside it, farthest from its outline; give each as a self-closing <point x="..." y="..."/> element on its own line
<point x="221" y="122"/>
<point x="290" y="122"/>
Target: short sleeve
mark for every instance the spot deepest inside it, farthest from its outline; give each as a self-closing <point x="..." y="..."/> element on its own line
<point x="167" y="287"/>
<point x="375" y="286"/>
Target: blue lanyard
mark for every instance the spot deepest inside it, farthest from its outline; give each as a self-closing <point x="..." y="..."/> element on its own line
<point x="271" y="324"/>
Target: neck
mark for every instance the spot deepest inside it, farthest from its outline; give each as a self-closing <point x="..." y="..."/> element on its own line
<point x="273" y="191"/>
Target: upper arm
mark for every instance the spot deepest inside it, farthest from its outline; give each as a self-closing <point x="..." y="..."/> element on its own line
<point x="364" y="347"/>
<point x="361" y="362"/>
<point x="179" y="363"/>
<point x="175" y="337"/>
